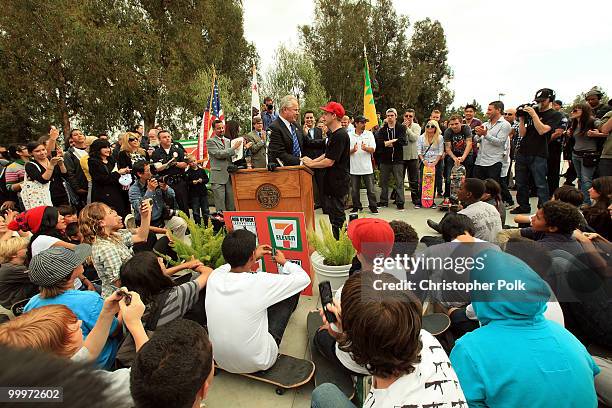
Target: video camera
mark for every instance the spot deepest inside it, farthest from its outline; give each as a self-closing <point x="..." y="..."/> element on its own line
<point x="520" y="110"/>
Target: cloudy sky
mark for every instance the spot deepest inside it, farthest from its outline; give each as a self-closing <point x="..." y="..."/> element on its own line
<point x="513" y="47"/>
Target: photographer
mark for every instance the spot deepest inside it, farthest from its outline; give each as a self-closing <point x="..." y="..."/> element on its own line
<point x="163" y="214"/>
<point x="536" y="125"/>
<point x="169" y="161"/>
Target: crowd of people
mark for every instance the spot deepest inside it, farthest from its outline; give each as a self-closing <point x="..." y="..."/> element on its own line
<point x="82" y="279"/>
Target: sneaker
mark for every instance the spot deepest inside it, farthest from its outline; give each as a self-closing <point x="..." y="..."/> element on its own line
<point x="434" y="206"/>
<point x="433" y="225"/>
<point x="520" y="210"/>
<point x="374" y="210"/>
<point x="417" y="206"/>
<point x="400" y="207"/>
<point x="509" y="205"/>
<point x="381" y="204"/>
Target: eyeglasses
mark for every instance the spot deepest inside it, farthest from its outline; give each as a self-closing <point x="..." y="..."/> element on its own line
<point x="430" y="127"/>
<point x="408" y="116"/>
<point x="507" y="114"/>
<point x="133" y="139"/>
<point x="576" y="110"/>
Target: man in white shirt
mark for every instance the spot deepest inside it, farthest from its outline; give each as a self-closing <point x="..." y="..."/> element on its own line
<point x="248" y="311"/>
<point x="362" y="146"/>
<point x="492" y="136"/>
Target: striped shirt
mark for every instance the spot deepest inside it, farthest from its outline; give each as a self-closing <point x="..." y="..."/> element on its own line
<point x="180" y="299"/>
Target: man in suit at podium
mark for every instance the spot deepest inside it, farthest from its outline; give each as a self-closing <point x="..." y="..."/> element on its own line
<point x="220" y="153"/>
<point x="287" y="141"/>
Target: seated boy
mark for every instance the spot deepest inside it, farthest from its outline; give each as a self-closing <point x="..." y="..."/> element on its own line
<point x="381" y="330"/>
<point x="248" y="311"/>
<point x="552" y="225"/>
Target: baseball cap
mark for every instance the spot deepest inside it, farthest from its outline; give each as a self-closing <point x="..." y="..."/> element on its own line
<point x="335" y="108"/>
<point x="371" y="237"/>
<point x="361" y="118"/>
<point x="56" y="263"/>
<point x="558" y="102"/>
<point x="543" y="94"/>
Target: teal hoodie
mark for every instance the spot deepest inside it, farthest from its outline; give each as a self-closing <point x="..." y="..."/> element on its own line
<point x="517" y="358"/>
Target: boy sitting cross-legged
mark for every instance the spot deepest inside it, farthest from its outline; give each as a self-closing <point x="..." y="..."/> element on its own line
<point x="249" y="311"/>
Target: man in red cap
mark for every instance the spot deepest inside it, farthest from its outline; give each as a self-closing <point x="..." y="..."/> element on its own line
<point x="337" y="161"/>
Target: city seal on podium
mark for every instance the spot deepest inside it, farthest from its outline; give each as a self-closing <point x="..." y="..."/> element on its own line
<point x="268" y="195"/>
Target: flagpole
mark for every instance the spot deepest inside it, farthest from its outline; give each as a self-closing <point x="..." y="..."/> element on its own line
<point x="254" y="70"/>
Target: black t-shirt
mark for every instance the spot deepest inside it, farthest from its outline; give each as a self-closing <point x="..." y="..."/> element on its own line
<point x="337" y="177"/>
<point x="459" y="140"/>
<point x="161" y="156"/>
<point x="535" y="144"/>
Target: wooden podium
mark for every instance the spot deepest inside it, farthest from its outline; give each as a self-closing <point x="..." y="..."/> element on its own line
<point x="285" y="189"/>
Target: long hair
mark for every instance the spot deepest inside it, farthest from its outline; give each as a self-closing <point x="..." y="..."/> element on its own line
<point x="45" y="328"/>
<point x="90" y="220"/>
<point x="436" y="139"/>
<point x="232" y="129"/>
<point x="125" y="144"/>
<point x="603" y="185"/>
<point x="142" y="273"/>
<point x="585" y="121"/>
<point x="96" y="146"/>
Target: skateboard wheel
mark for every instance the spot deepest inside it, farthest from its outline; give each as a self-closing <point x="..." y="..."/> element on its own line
<point x="280" y="391"/>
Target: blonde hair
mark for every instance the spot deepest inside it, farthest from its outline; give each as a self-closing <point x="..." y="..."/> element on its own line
<point x="125" y="144"/>
<point x="89" y="222"/>
<point x="46" y="328"/>
<point x="436" y="139"/>
<point x="10" y="247"/>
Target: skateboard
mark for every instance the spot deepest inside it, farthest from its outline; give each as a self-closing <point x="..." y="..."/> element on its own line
<point x="326" y="371"/>
<point x="457" y="177"/>
<point x="428" y="186"/>
<point x="288" y="372"/>
<point x="436" y="323"/>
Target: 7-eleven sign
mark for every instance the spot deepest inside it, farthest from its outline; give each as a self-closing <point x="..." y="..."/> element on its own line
<point x="285" y="233"/>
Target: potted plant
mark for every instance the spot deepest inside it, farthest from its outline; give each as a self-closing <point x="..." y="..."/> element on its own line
<point x="332" y="258"/>
<point x="205" y="244"/>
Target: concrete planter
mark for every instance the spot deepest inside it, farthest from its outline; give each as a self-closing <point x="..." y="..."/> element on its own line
<point x="336" y="275"/>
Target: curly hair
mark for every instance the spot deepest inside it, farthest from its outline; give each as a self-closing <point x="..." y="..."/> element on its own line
<point x="404" y="234"/>
<point x="89" y="222"/>
<point x="562" y="215"/>
<point x="381" y="329"/>
<point x="46" y="328"/>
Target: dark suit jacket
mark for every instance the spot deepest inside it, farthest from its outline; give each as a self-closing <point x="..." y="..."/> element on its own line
<point x="315" y="136"/>
<point x="281" y="143"/>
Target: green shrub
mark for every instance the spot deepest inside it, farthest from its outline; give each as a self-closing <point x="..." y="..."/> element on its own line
<point x="334" y="252"/>
<point x="205" y="244"/>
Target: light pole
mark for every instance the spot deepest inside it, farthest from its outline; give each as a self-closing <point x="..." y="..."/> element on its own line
<point x="501" y="95"/>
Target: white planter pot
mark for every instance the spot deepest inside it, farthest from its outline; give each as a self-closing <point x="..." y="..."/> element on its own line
<point x="336" y="275"/>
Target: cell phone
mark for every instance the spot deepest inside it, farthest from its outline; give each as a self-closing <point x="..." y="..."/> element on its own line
<point x="325" y="292"/>
<point x="273" y="251"/>
<point x="126" y="296"/>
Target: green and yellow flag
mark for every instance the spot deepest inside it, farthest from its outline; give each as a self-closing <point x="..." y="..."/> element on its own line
<point x="369" y="110"/>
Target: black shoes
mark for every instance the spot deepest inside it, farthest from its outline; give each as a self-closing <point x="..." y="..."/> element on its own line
<point x="434" y="226"/>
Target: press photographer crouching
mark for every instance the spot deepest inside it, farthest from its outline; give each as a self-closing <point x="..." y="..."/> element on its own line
<point x="164" y="213"/>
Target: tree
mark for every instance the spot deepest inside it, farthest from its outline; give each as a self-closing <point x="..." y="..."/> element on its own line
<point x="479" y="113"/>
<point x="581" y="98"/>
<point x="294" y="74"/>
<point x="404" y="72"/>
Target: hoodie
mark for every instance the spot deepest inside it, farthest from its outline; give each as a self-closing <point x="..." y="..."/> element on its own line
<point x="518" y="358"/>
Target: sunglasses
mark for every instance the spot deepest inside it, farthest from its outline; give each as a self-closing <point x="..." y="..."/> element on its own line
<point x="576" y="110"/>
<point x="133" y="139"/>
<point x="507" y="114"/>
<point x="430" y="127"/>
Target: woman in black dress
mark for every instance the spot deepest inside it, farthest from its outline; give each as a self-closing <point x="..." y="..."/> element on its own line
<point x="105" y="176"/>
<point x="45" y="170"/>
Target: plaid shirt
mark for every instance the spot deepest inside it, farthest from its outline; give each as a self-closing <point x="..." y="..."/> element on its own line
<point x="517" y="137"/>
<point x="108" y="255"/>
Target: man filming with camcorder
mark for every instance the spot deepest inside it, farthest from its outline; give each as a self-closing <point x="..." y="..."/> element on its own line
<point x="164" y="213"/>
<point x="537" y="121"/>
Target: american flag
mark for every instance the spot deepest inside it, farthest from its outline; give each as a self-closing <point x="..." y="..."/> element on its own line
<point x="213" y="112"/>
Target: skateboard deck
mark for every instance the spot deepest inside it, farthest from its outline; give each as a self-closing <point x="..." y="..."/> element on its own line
<point x="428" y="186"/>
<point x="436" y="323"/>
<point x="326" y="371"/>
<point x="288" y="372"/>
<point x="457" y="177"/>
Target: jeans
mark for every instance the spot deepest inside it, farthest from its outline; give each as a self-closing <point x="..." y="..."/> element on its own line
<point x="449" y="163"/>
<point x="368" y="180"/>
<point x="585" y="177"/>
<point x="554" y="165"/>
<point x="181" y="194"/>
<point x="199" y="207"/>
<point x="524" y="167"/>
<point x="488" y="172"/>
<point x="505" y="192"/>
<point x="326" y="346"/>
<point x="398" y="173"/>
<point x="334" y="208"/>
<point x="411" y="167"/>
<point x="329" y="396"/>
<point x="279" y="315"/>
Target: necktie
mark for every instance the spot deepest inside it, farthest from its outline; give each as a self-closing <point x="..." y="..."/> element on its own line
<point x="296" y="144"/>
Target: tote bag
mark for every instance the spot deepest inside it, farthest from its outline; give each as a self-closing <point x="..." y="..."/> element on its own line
<point x="35" y="194"/>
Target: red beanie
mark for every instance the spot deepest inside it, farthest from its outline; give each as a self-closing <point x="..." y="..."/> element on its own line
<point x="29" y="220"/>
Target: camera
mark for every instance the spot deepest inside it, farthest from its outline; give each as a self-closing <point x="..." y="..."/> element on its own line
<point x="168" y="213"/>
<point x="270" y="106"/>
<point x="520" y="110"/>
